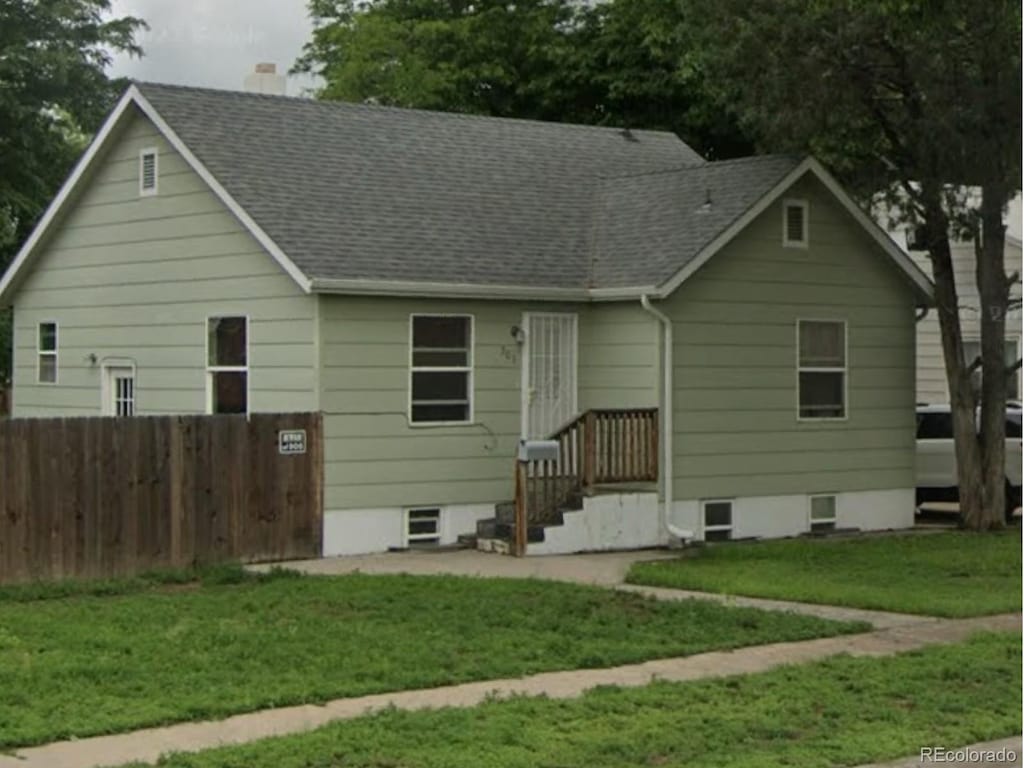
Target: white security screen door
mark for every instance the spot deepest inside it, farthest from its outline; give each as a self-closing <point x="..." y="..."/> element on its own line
<point x="549" y="373"/>
<point x="119" y="391"/>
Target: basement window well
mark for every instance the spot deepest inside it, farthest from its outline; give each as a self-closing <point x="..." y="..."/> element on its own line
<point x="423" y="527"/>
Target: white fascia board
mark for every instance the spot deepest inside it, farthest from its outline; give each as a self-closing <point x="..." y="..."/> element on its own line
<point x="237" y="210"/>
<point x="879" y="235"/>
<point x="58" y="203"/>
<point x="920" y="280"/>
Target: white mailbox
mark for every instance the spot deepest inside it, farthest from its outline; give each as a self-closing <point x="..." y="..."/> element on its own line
<point x="538" y="450"/>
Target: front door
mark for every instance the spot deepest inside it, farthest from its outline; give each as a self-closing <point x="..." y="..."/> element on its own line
<point x="549" y="373"/>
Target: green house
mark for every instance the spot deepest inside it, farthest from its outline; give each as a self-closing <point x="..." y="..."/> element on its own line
<point x="719" y="349"/>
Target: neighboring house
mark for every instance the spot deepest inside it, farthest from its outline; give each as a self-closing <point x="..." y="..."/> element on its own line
<point x="931" y="371"/>
<point x="440" y="285"/>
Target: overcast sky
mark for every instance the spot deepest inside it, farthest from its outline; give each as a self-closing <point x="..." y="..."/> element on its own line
<point x="215" y="42"/>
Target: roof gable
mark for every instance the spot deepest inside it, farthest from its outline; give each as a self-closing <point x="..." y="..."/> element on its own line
<point x="359" y="199"/>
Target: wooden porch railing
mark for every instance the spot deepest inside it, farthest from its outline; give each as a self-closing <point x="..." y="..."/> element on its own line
<point x="598" y="447"/>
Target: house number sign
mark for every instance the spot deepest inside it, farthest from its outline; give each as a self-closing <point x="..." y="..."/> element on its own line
<point x="291" y="442"/>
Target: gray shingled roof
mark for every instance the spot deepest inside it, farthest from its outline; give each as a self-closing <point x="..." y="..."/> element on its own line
<point x="353" y="191"/>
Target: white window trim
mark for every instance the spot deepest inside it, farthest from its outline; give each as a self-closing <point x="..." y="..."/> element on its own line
<point x="469" y="369"/>
<point x="845" y="370"/>
<point x="143" y="153"/>
<point x="212" y="369"/>
<point x="411" y="539"/>
<point x="106" y="395"/>
<point x="805" y="206"/>
<point x="715" y="528"/>
<point x="811" y="522"/>
<point x="40" y="353"/>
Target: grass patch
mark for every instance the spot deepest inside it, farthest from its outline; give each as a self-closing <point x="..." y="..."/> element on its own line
<point x="841" y="711"/>
<point x="99" y="663"/>
<point x="952" y="574"/>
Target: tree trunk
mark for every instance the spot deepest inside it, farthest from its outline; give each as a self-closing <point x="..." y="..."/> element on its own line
<point x="994" y="293"/>
<point x="958" y="379"/>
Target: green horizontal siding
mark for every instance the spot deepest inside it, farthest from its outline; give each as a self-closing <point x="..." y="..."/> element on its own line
<point x="735" y="408"/>
<point x="135" y="279"/>
<point x="375" y="458"/>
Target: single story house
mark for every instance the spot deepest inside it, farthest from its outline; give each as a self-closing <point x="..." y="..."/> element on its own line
<point x="441" y="285"/>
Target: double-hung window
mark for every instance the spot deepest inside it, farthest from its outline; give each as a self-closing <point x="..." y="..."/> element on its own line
<point x="821" y="361"/>
<point x="441" y="371"/>
<point x="227" y="365"/>
<point x="47" y="353"/>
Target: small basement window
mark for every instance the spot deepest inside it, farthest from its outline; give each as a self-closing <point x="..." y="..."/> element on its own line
<point x="823" y="513"/>
<point x="717" y="520"/>
<point x="423" y="527"/>
<point x="441" y="371"/>
<point x="821" y="369"/>
<point x="148" y="172"/>
<point x="47" y="352"/>
<point x="227" y="365"/>
<point x="794" y="224"/>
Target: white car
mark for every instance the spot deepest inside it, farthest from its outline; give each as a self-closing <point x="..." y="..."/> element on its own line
<point x="936" y="456"/>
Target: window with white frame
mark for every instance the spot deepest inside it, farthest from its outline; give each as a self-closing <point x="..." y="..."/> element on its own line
<point x="148" y="172"/>
<point x="227" y="364"/>
<point x="794" y="223"/>
<point x="717" y="519"/>
<point x="423" y="527"/>
<point x="119" y="396"/>
<point x="823" y="513"/>
<point x="441" y="370"/>
<point x="972" y="351"/>
<point x="821" y="362"/>
<point x="47" y="353"/>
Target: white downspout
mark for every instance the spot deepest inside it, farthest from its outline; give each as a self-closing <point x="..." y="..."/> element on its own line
<point x="666" y="401"/>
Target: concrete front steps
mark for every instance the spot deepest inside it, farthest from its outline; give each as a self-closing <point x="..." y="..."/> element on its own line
<point x="610" y="519"/>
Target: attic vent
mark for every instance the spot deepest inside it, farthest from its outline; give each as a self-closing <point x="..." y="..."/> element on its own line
<point x="147" y="172"/>
<point x="794" y="223"/>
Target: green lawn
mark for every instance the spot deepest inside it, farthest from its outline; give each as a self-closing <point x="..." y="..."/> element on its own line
<point x="842" y="711"/>
<point x="75" y="662"/>
<point x="945" y="574"/>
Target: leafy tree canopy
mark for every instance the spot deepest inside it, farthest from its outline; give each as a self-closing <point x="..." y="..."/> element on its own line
<point x="622" y="62"/>
<point x="53" y="94"/>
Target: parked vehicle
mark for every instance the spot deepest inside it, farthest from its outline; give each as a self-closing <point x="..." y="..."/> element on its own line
<point x="936" y="456"/>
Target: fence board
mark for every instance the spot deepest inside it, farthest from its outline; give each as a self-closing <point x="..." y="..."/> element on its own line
<point x="107" y="497"/>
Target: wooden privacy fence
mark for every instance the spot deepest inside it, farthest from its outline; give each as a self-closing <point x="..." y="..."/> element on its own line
<point x="99" y="497"/>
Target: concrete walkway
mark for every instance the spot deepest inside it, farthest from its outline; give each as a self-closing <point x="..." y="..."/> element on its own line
<point x="606" y="569"/>
<point x="147" y="745"/>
